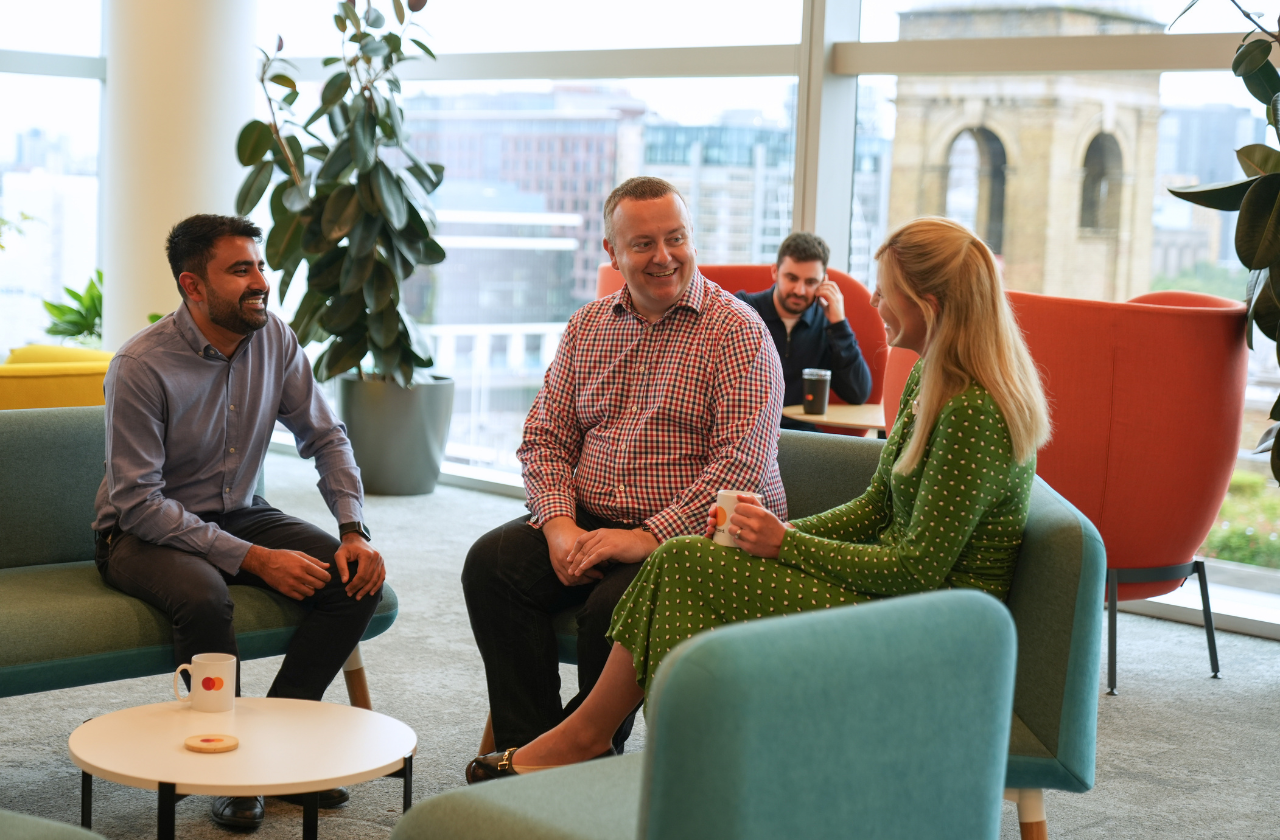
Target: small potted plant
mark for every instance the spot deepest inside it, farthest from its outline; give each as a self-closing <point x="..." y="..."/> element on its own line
<point x="356" y="209"/>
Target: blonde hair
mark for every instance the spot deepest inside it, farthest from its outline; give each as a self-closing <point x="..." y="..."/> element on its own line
<point x="971" y="334"/>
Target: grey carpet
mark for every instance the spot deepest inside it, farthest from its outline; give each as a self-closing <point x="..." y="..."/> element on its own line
<point x="1179" y="755"/>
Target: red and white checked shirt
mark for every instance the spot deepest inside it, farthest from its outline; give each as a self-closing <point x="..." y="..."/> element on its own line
<point x="641" y="422"/>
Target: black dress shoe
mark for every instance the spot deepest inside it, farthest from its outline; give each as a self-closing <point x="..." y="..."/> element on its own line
<point x="331" y="798"/>
<point x="238" y="811"/>
<point x="496" y="765"/>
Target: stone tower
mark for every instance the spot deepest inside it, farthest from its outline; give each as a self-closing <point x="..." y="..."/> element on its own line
<point x="1055" y="173"/>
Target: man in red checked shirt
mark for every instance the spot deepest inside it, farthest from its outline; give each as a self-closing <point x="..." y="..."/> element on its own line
<point x="660" y="395"/>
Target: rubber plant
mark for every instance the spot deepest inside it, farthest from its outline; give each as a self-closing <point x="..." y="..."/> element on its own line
<point x="83" y="321"/>
<point x="1256" y="197"/>
<point x="355" y="207"/>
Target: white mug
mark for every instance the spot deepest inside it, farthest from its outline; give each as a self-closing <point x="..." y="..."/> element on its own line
<point x="726" y="501"/>
<point x="213" y="682"/>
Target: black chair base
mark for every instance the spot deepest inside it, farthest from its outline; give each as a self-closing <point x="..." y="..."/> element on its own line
<point x="1115" y="577"/>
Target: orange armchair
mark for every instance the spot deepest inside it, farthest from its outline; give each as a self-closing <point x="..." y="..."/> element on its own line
<point x="862" y="316"/>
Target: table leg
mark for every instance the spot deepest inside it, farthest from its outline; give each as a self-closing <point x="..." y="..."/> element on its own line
<point x="311" y="816"/>
<point x="166" y="807"/>
<point x="408" y="782"/>
<point x="86" y="800"/>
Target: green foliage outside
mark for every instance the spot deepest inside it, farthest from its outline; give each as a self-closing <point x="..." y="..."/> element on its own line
<point x="1207" y="279"/>
<point x="82" y="321"/>
<point x="16" y="227"/>
<point x="1248" y="526"/>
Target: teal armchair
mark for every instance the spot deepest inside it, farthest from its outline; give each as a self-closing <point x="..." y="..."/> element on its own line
<point x="784" y="727"/>
<point x="1055" y="598"/>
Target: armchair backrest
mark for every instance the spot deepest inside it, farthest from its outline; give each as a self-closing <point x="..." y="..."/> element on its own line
<point x="862" y="316"/>
<point x="906" y="702"/>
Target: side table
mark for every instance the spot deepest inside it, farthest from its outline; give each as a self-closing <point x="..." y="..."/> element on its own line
<point x="286" y="747"/>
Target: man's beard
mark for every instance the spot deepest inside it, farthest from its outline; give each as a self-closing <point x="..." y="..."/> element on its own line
<point x="789" y="301"/>
<point x="233" y="317"/>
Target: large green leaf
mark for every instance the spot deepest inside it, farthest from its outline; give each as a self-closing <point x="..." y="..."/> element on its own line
<point x="355" y="270"/>
<point x="288" y="268"/>
<point x="1263" y="84"/>
<point x="365" y="235"/>
<point x="1264" y="309"/>
<point x="307" y="315"/>
<point x="399" y="7"/>
<point x="1257" y="159"/>
<point x="344" y="354"/>
<point x="384" y="326"/>
<point x="339" y="119"/>
<point x="419" y="44"/>
<point x="408" y="242"/>
<point x="334" y="89"/>
<point x="337" y="161"/>
<point x="349" y="12"/>
<point x="374" y="47"/>
<point x="326" y="270"/>
<point x="364" y="138"/>
<point x="374" y="18"/>
<point x="396" y="118"/>
<point x="294" y="146"/>
<point x="342" y="313"/>
<point x="341" y="212"/>
<point x="1218" y="196"/>
<point x="390" y="199"/>
<point x="1250" y="57"/>
<point x="432" y="252"/>
<point x="386" y="360"/>
<point x="364" y="186"/>
<point x="254" y="186"/>
<point x="254" y="141"/>
<point x="284" y="239"/>
<point x="313" y="239"/>
<point x="381" y="289"/>
<point x="1257" y="279"/>
<point x="1258" y="225"/>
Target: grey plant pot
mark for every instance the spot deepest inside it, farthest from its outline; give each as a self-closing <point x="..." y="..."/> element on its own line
<point x="398" y="434"/>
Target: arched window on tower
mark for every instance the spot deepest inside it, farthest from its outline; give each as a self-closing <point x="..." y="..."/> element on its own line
<point x="975" y="185"/>
<point x="1103" y="175"/>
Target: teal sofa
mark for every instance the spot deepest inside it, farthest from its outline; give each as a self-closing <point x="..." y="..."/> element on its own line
<point x="889" y="720"/>
<point x="61" y="624"/>
<point x="1055" y="601"/>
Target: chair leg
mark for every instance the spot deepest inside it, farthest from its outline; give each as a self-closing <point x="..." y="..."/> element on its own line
<point x="357" y="685"/>
<point x="1032" y="824"/>
<point x="1208" y="617"/>
<point x="486" y="738"/>
<point x="1113" y="590"/>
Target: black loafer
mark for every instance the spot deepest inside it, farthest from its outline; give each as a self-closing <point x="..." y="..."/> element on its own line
<point x="331" y="798"/>
<point x="238" y="811"/>
<point x="496" y="765"/>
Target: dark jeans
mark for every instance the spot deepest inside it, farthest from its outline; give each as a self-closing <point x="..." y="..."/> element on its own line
<point x="511" y="593"/>
<point x="193" y="593"/>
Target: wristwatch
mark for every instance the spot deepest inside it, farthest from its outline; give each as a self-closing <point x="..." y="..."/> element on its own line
<point x="356" y="527"/>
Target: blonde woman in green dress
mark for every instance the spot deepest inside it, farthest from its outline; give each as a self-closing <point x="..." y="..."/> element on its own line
<point x="946" y="506"/>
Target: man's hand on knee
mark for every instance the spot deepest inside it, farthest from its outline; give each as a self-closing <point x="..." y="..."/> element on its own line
<point x="624" y="545"/>
<point x="370" y="570"/>
<point x="290" y="573"/>
<point x="562" y="534"/>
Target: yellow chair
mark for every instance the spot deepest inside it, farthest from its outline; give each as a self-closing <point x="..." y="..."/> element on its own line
<point x="47" y="376"/>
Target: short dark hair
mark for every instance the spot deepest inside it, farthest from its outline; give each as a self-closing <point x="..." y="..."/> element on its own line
<point x="804" y="247"/>
<point x="642" y="188"/>
<point x="191" y="242"/>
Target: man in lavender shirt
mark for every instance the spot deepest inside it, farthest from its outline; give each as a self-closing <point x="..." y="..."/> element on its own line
<point x="190" y="404"/>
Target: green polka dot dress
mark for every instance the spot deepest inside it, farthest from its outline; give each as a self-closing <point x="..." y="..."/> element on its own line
<point x="954" y="521"/>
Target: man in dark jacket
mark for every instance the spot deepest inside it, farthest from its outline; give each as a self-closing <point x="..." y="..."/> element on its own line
<point x="804" y="311"/>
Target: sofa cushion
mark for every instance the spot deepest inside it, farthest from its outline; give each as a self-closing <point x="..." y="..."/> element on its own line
<point x="64" y="627"/>
<point x="21" y="827"/>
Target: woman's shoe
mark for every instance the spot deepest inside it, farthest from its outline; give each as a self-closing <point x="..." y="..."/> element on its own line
<point x="496" y="765"/>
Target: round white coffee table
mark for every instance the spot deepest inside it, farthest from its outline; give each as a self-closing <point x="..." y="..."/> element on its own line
<point x="286" y="747"/>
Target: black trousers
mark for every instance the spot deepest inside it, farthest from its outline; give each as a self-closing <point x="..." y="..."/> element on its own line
<point x="193" y="593"/>
<point x="512" y="592"/>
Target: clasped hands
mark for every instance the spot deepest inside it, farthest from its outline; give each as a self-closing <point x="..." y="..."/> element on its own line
<point x="299" y="575"/>
<point x="577" y="554"/>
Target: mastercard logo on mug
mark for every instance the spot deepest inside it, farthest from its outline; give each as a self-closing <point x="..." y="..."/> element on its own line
<point x="212" y="683"/>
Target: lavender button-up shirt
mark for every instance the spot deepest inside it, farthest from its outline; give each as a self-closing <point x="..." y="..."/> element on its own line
<point x="188" y="428"/>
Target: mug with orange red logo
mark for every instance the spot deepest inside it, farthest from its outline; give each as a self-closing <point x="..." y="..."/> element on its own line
<point x="213" y="682"/>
